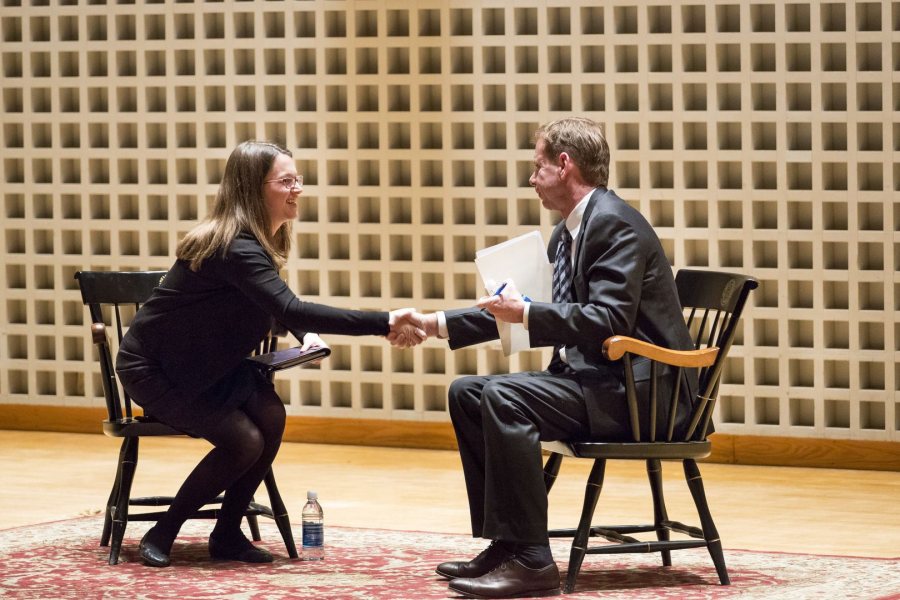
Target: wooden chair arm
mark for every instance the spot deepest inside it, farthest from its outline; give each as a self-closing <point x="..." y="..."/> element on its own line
<point x="98" y="333"/>
<point x="616" y="346"/>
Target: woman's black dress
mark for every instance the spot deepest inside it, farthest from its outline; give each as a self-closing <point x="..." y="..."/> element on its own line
<point x="182" y="358"/>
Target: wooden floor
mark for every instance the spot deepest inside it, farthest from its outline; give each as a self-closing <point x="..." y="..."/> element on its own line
<point x="49" y="476"/>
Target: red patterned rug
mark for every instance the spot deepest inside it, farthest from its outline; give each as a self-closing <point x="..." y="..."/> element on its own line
<point x="62" y="560"/>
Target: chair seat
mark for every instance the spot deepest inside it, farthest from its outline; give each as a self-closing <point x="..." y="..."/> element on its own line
<point x="137" y="427"/>
<point x="631" y="450"/>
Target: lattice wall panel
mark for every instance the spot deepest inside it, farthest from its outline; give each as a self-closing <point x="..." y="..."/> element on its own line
<point x="755" y="136"/>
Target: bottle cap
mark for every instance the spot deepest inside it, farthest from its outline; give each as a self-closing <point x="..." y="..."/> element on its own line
<point x="311" y="495"/>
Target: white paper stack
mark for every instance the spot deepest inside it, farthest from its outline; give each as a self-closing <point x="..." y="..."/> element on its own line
<point x="522" y="260"/>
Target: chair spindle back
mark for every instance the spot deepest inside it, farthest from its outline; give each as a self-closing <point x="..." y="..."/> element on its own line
<point x="713" y="302"/>
<point x="112" y="298"/>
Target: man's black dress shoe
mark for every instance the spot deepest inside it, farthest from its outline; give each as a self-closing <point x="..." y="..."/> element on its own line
<point x="151" y="554"/>
<point x="241" y="550"/>
<point x="488" y="559"/>
<point x="512" y="579"/>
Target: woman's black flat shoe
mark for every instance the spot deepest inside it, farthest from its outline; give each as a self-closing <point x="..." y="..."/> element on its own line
<point x="151" y="554"/>
<point x="243" y="551"/>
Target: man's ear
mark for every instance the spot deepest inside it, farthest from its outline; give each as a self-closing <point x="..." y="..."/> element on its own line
<point x="565" y="164"/>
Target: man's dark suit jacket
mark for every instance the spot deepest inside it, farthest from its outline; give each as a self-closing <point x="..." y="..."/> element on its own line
<point x="623" y="285"/>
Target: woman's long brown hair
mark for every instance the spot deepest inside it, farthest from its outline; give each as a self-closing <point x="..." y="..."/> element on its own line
<point x="239" y="207"/>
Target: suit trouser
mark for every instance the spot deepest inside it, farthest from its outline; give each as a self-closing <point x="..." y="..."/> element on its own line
<point x="500" y="421"/>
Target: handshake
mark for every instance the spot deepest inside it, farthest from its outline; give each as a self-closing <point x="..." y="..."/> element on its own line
<point x="410" y="328"/>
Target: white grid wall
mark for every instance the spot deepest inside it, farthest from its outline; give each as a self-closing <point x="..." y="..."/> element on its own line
<point x="756" y="136"/>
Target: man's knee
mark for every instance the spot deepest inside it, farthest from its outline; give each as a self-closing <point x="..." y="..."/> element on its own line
<point x="497" y="399"/>
<point x="463" y="392"/>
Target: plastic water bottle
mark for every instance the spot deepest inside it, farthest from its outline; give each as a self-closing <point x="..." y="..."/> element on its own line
<point x="313" y="529"/>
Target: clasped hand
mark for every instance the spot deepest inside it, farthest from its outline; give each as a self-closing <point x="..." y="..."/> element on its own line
<point x="410" y="328"/>
<point x="407" y="328"/>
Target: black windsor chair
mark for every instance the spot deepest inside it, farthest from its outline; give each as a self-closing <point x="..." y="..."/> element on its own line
<point x="112" y="299"/>
<point x="712" y="302"/>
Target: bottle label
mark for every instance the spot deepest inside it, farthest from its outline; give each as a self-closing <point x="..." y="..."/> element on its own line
<point x="313" y="535"/>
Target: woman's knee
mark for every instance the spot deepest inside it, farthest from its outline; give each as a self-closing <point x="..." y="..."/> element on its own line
<point x="267" y="411"/>
<point x="276" y="413"/>
<point x="246" y="447"/>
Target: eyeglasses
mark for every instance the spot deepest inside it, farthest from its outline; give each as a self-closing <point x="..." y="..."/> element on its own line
<point x="288" y="182"/>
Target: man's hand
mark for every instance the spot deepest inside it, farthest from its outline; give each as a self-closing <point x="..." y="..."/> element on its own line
<point x="507" y="305"/>
<point x="407" y="328"/>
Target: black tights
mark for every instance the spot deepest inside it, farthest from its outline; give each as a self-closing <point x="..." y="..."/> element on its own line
<point x="245" y="444"/>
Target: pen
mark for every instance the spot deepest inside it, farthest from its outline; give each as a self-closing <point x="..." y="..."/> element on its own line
<point x="503" y="287"/>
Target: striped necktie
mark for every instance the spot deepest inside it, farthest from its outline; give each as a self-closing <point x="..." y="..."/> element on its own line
<point x="562" y="268"/>
<point x="562" y="289"/>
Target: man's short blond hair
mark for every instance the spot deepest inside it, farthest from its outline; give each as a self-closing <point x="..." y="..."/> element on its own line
<point x="583" y="140"/>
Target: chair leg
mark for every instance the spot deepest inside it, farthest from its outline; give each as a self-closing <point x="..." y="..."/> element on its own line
<point x="113" y="495"/>
<point x="280" y="514"/>
<point x="710" y="534"/>
<point x="654" y="473"/>
<point x="551" y="469"/>
<point x="580" y="543"/>
<point x="128" y="465"/>
<point x="253" y="524"/>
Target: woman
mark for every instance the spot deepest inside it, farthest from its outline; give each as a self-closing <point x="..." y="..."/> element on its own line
<point x="182" y="358"/>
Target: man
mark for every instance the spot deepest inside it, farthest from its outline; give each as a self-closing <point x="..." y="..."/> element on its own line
<point x="611" y="276"/>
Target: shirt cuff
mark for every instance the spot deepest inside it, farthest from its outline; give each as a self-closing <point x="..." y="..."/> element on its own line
<point x="443" y="333"/>
<point x="525" y="315"/>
